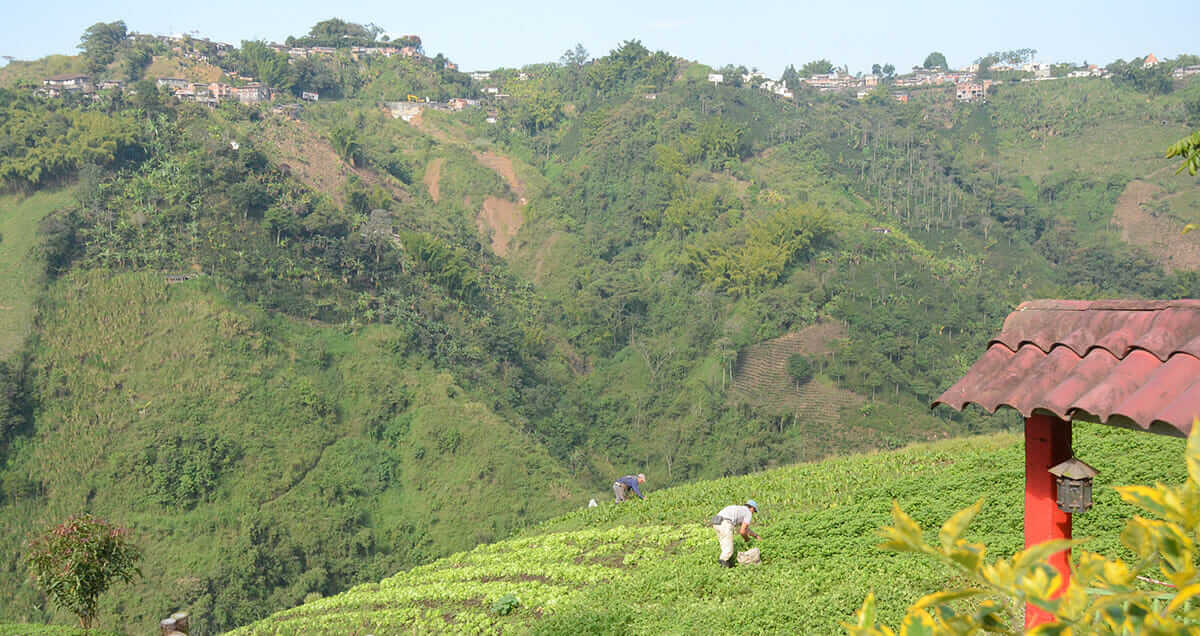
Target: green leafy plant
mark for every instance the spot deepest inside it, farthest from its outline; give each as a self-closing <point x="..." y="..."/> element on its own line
<point x="506" y="604"/>
<point x="1187" y="149"/>
<point x="1104" y="596"/>
<point x="76" y="561"/>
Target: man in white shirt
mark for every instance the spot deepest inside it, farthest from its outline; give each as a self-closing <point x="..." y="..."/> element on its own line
<point x="724" y="523"/>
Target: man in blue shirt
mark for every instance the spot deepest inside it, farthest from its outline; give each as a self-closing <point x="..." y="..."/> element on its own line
<point x="622" y="486"/>
<point x="733" y="518"/>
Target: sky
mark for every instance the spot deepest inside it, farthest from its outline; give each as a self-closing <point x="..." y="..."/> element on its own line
<point x="763" y="35"/>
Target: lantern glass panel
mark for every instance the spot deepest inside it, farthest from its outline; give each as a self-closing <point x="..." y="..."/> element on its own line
<point x="1074" y="495"/>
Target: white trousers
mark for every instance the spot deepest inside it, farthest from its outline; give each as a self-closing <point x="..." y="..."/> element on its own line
<point x="725" y="538"/>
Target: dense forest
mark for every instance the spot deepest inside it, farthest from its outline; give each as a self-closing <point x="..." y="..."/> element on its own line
<point x="296" y="353"/>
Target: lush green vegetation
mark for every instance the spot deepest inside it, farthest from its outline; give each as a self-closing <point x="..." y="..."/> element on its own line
<point x="1105" y="595"/>
<point x="351" y="349"/>
<point x="76" y="561"/>
<point x="21" y="284"/>
<point x="651" y="567"/>
<point x="294" y="461"/>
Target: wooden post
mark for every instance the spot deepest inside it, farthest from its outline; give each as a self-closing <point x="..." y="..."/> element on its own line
<point x="1047" y="442"/>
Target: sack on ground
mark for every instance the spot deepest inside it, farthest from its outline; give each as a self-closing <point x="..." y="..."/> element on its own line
<point x="753" y="555"/>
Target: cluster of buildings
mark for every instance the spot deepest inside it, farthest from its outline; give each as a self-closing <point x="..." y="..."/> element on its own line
<point x="409" y="109"/>
<point x="356" y="52"/>
<point x="210" y="93"/>
<point x="967" y="86"/>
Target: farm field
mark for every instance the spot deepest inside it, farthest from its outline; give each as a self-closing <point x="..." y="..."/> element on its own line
<point x="650" y="567"/>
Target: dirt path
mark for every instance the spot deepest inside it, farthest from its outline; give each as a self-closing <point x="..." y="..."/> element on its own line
<point x="1159" y="235"/>
<point x="433" y="177"/>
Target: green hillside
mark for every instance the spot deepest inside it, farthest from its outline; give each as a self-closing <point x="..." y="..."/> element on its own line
<point x="403" y="339"/>
<point x="22" y="280"/>
<point x="260" y="461"/>
<point x="650" y="567"/>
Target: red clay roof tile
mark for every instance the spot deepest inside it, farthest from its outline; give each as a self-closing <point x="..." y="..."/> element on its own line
<point x="1119" y="362"/>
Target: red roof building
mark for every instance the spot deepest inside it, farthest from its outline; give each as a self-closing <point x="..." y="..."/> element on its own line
<point x="1128" y="363"/>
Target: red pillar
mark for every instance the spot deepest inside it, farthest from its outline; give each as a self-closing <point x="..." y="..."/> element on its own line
<point x="1047" y="442"/>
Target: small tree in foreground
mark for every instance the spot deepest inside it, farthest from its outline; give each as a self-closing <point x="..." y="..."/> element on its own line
<point x="1104" y="596"/>
<point x="76" y="561"/>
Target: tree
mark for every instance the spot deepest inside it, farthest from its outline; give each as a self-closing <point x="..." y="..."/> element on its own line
<point x="269" y="66"/>
<point x="889" y="70"/>
<point x="100" y="43"/>
<point x="876" y="69"/>
<point x="816" y="67"/>
<point x="76" y="561"/>
<point x="800" y="368"/>
<point x="790" y="78"/>
<point x="575" y="58"/>
<point x="935" y="60"/>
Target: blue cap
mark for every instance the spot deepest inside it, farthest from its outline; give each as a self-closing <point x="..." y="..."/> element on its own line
<point x="752" y="504"/>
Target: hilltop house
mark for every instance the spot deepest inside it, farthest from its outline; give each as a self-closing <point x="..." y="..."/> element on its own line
<point x="972" y="91"/>
<point x="1185" y="71"/>
<point x="70" y="82"/>
<point x="1149" y="61"/>
<point x="716" y="78"/>
<point x="176" y="84"/>
<point x="253" y="93"/>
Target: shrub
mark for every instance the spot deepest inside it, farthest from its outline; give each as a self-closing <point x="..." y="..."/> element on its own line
<point x="800" y="368"/>
<point x="76" y="561"/>
<point x="506" y="604"/>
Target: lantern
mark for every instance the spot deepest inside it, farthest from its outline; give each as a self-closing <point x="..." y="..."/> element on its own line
<point x="1074" y="485"/>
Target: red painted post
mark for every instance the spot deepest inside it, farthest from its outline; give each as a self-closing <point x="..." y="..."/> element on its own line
<point x="1047" y="442"/>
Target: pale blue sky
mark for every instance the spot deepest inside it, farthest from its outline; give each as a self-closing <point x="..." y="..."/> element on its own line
<point x="767" y="35"/>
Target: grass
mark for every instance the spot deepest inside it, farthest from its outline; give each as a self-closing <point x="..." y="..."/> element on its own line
<point x="33" y="72"/>
<point x="257" y="460"/>
<point x="19" y="217"/>
<point x="650" y="567"/>
<point x="1142" y="147"/>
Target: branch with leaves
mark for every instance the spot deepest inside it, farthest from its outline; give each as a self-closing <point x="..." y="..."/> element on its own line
<point x="1104" y="596"/>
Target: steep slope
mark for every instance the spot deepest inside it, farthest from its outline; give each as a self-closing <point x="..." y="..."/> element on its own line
<point x="650" y="567"/>
<point x="258" y="461"/>
<point x="19" y="217"/>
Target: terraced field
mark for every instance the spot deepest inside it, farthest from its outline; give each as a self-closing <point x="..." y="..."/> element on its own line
<point x="649" y="567"/>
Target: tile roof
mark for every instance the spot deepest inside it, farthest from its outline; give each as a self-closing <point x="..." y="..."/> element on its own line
<point x="1129" y="363"/>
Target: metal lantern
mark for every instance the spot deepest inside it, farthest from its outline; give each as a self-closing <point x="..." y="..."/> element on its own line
<point x="1074" y="485"/>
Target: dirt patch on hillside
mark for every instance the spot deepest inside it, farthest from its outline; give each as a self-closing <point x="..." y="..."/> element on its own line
<point x="503" y="166"/>
<point x="501" y="219"/>
<point x="310" y="158"/>
<point x="1159" y="235"/>
<point x="433" y="176"/>
<point x="498" y="217"/>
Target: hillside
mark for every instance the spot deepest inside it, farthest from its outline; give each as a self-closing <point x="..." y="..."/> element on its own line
<point x="650" y="567"/>
<point x="258" y="460"/>
<point x="484" y="316"/>
<point x="22" y="280"/>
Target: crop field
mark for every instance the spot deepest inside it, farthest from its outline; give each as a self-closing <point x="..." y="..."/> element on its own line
<point x="649" y="567"/>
